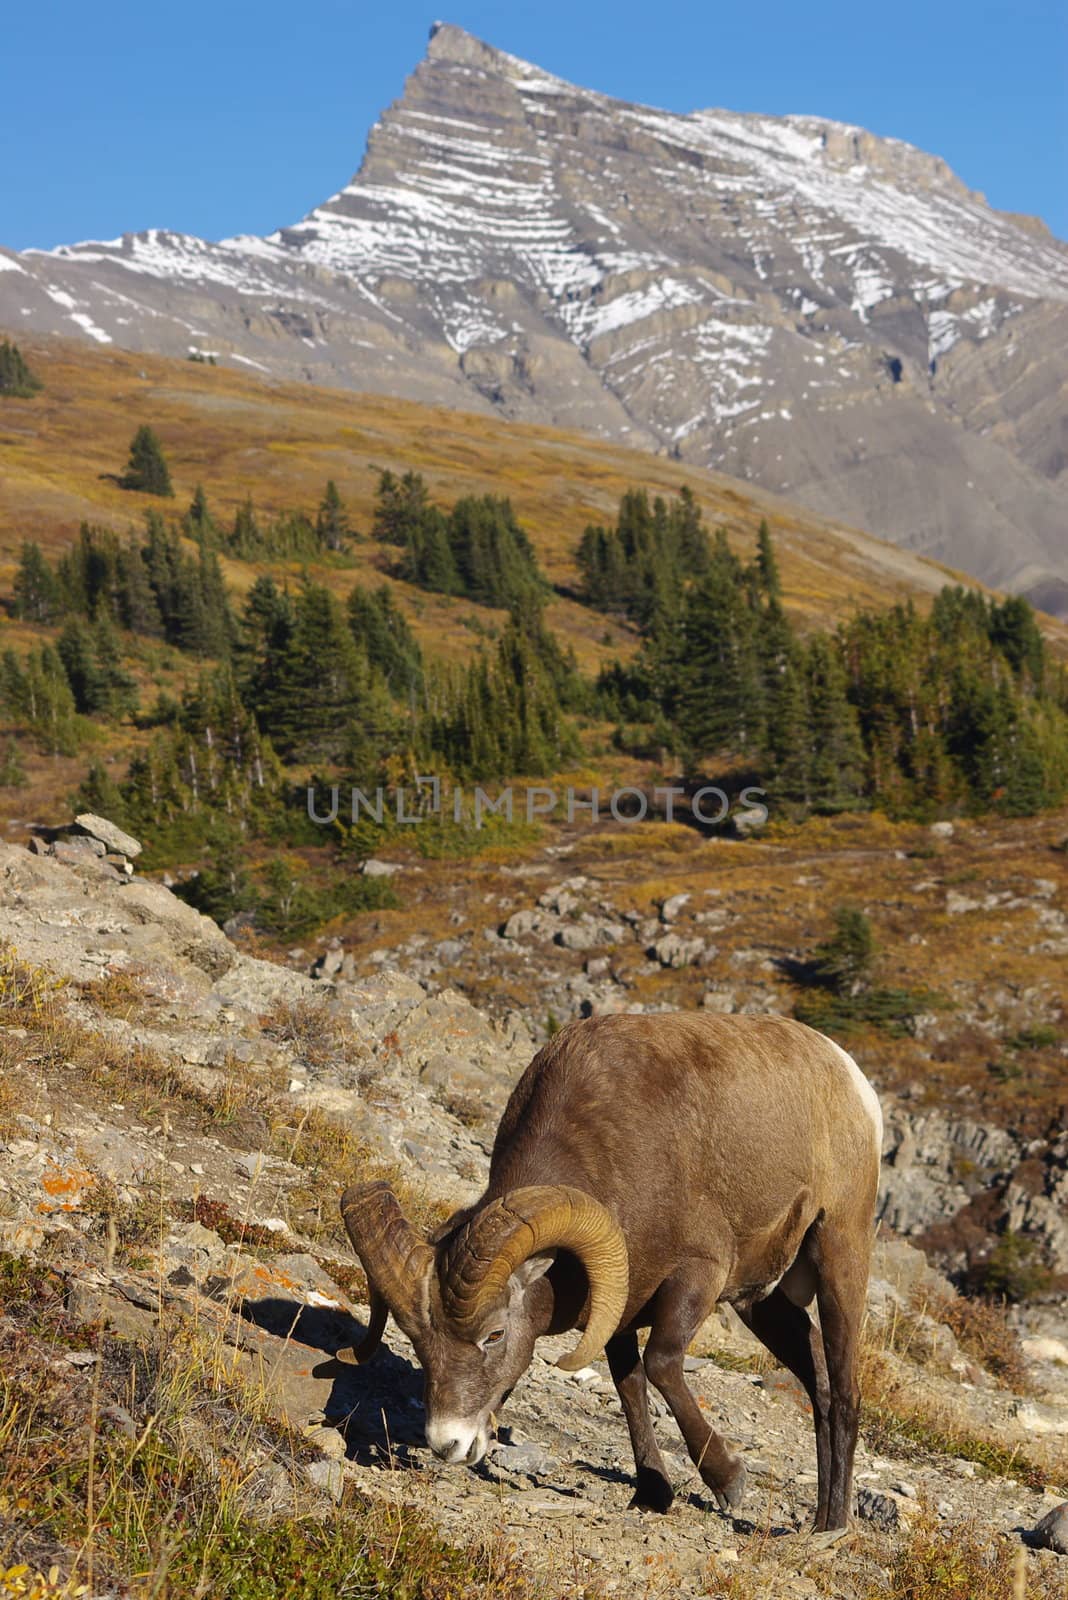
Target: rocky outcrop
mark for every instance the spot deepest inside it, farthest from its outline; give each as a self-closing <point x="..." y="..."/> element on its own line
<point x="64" y="912"/>
<point x="956" y="1184"/>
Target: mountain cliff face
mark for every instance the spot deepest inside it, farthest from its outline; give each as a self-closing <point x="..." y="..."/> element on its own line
<point x="797" y="302"/>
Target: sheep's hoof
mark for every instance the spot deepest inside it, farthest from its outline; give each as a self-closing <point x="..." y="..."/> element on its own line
<point x="652" y="1491"/>
<point x="730" y="1493"/>
<point x="823" y="1538"/>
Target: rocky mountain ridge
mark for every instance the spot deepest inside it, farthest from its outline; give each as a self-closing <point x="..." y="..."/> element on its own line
<point x="791" y="300"/>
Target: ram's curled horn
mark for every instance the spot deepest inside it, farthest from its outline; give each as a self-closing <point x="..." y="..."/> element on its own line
<point x="485" y="1252"/>
<point x="394" y="1257"/>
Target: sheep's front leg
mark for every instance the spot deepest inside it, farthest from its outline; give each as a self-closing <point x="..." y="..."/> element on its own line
<point x="682" y="1304"/>
<point x="653" y="1491"/>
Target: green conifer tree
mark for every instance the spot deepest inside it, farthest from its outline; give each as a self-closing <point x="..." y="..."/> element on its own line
<point x="139" y="611"/>
<point x="837" y="766"/>
<point x="199" y="522"/>
<point x="12" y="771"/>
<point x="147" y="469"/>
<point x="245" y="539"/>
<point x="98" y="792"/>
<point x="332" y="523"/>
<point x="768" y="567"/>
<point x="119" y="689"/>
<point x="790" y="742"/>
<point x="721" y="703"/>
<point x="400" y="506"/>
<point x="428" y="558"/>
<point x="320" y="693"/>
<point x="42" y="700"/>
<point x="16" y="379"/>
<point x="78" y="655"/>
<point x="37" y="591"/>
<point x="379" y="628"/>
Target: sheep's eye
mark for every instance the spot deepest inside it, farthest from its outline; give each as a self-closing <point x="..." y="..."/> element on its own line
<point x="493" y="1338"/>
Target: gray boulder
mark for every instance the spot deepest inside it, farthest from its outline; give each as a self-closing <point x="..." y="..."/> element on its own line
<point x="113" y="838"/>
<point x="1051" y="1533"/>
<point x="675" y="951"/>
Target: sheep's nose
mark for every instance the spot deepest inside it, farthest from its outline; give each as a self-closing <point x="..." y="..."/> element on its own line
<point x="456" y="1441"/>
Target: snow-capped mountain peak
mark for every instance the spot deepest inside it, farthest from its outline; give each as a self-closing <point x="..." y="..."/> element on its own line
<point x="794" y="300"/>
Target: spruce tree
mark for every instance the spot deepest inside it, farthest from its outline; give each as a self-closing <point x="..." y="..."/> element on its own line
<point x="199" y="522"/>
<point x="642" y="565"/>
<point x="16" y="379"/>
<point x="92" y="660"/>
<point x="379" y="628"/>
<point x="98" y="792"/>
<point x="163" y="559"/>
<point x="263" y="630"/>
<point x="217" y="630"/>
<point x="843" y="962"/>
<point x="245" y="539"/>
<point x="12" y="771"/>
<point x="494" y="558"/>
<point x="147" y="469"/>
<point x="332" y="523"/>
<point x="721" y="705"/>
<point x="78" y="655"/>
<point x="39" y="697"/>
<point x="119" y="688"/>
<point x="428" y="558"/>
<point x="37" y="591"/>
<point x="790" y="743"/>
<point x="90" y="573"/>
<point x="319" y="695"/>
<point x="400" y="506"/>
<point x="768" y="567"/>
<point x="837" y="765"/>
<point x="139" y="611"/>
<point x="1014" y="631"/>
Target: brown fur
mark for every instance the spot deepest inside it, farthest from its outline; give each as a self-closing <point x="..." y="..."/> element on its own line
<point x="730" y="1150"/>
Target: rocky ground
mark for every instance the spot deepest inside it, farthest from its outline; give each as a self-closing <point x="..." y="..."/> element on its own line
<point x="177" y="1117"/>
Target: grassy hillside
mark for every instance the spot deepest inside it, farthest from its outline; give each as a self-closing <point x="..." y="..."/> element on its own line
<point x="241" y="436"/>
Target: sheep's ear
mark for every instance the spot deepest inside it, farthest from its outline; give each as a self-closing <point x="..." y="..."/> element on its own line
<point x="533" y="1268"/>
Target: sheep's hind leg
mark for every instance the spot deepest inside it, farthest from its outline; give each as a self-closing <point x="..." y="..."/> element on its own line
<point x="792" y="1337"/>
<point x="842" y="1275"/>
<point x="682" y="1304"/>
<point x="653" y="1491"/>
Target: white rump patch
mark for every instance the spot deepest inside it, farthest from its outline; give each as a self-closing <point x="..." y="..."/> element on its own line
<point x="864" y="1089"/>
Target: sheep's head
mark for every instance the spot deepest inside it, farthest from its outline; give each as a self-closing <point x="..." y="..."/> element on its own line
<point x="466" y="1304"/>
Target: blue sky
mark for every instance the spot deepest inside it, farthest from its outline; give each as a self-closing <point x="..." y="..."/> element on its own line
<point x="233" y="117"/>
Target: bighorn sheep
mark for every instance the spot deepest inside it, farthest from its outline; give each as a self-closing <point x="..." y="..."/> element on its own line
<point x="646" y="1168"/>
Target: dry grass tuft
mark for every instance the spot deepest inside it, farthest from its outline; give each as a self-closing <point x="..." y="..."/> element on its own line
<point x="898" y="1419"/>
<point x="183" y="1483"/>
<point x="10" y="1106"/>
<point x="985" y="1333"/>
<point x="966" y="1562"/>
<point x="313" y="1032"/>
<point x="118" y="992"/>
<point x="25" y="988"/>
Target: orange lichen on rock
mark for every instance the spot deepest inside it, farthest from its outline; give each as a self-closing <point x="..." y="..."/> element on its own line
<point x="64" y="1187"/>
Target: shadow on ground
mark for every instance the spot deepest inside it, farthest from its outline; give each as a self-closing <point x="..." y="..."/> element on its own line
<point x="377" y="1407"/>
